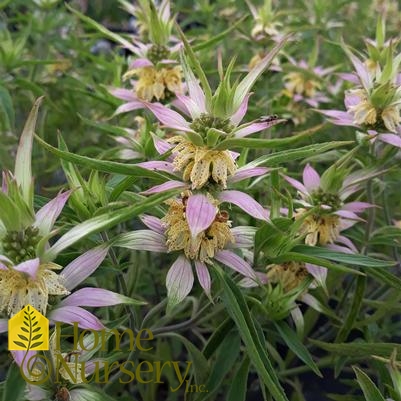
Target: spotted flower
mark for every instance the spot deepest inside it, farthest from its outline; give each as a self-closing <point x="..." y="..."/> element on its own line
<point x="38" y="284"/>
<point x="373" y="105"/>
<point x="305" y="83"/>
<point x="238" y="198"/>
<point x="200" y="234"/>
<point x="158" y="77"/>
<point x="325" y="213"/>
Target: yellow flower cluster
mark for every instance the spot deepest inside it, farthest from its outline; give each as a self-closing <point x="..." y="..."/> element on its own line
<point x="156" y="83"/>
<point x="290" y="274"/>
<point x="199" y="164"/>
<point x="297" y="83"/>
<point x="365" y="113"/>
<point x="206" y="243"/>
<point x="18" y="290"/>
<point x="319" y="229"/>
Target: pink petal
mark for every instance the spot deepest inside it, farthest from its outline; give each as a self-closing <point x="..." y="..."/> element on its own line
<point x="158" y="166"/>
<point x="123" y="94"/>
<point x="203" y="274"/>
<point x="248" y="282"/>
<point x="362" y="71"/>
<point x="297" y="185"/>
<point x="311" y="178"/>
<point x="83" y="266"/>
<point x="251" y="129"/>
<point x="161" y="145"/>
<point x="347" y="242"/>
<point x="246" y="203"/>
<point x="319" y="273"/>
<point x="339" y="248"/>
<point x="94" y="297"/>
<point x="235" y="262"/>
<point x="153" y="223"/>
<point x="237" y="117"/>
<point x="348" y="215"/>
<point x="29" y="267"/>
<point x="166" y="186"/>
<point x="196" y="93"/>
<point x="244" y="236"/>
<point x="179" y="280"/>
<point x="75" y="314"/>
<point x="391" y="139"/>
<point x="169" y="118"/>
<point x="190" y="105"/>
<point x="178" y="104"/>
<point x="339" y="117"/>
<point x="357" y="207"/>
<point x="200" y="213"/>
<point x="247" y="172"/>
<point x="133" y="105"/>
<point x="48" y="214"/>
<point x="141" y="62"/>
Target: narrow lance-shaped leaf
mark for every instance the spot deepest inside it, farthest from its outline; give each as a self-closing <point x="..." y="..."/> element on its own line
<point x="23" y="167"/>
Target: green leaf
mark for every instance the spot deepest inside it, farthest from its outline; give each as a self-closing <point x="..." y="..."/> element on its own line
<point x="200" y="365"/>
<point x="103" y="222"/>
<point x="107" y="33"/>
<point x="23" y="164"/>
<point x="246" y="83"/>
<point x="353" y="312"/>
<point x="6" y="109"/>
<point x="217" y="337"/>
<point x="14" y="386"/>
<point x="227" y="354"/>
<point x="102" y="165"/>
<point x="34" y="345"/>
<point x="196" y="65"/>
<point x="370" y="391"/>
<point x="296" y="345"/>
<point x="238" y="309"/>
<point x="359" y="350"/>
<point x="239" y="384"/>
<point x="348" y="258"/>
<point x="260" y="143"/>
<point x="286" y="156"/>
<point x="217" y="38"/>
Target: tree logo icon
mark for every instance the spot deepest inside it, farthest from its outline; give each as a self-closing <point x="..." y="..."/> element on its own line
<point x="28" y="330"/>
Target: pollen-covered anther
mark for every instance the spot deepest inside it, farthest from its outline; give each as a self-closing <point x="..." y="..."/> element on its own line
<point x="156" y="83"/>
<point x="205" y="244"/>
<point x="289" y="275"/>
<point x="297" y="83"/>
<point x="201" y="165"/>
<point x="18" y="289"/>
<point x="319" y="229"/>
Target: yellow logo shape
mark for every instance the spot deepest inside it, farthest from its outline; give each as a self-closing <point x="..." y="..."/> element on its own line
<point x="28" y="330"/>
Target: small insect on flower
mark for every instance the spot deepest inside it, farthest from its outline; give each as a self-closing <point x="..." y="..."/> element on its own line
<point x="268" y="119"/>
<point x="62" y="394"/>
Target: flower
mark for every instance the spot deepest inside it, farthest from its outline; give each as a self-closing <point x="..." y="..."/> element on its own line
<point x="155" y="66"/>
<point x="305" y="83"/>
<point x="32" y="282"/>
<point x="374" y="105"/>
<point x="201" y="234"/>
<point x="265" y="27"/>
<point x="325" y="212"/>
<point x="240" y="199"/>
